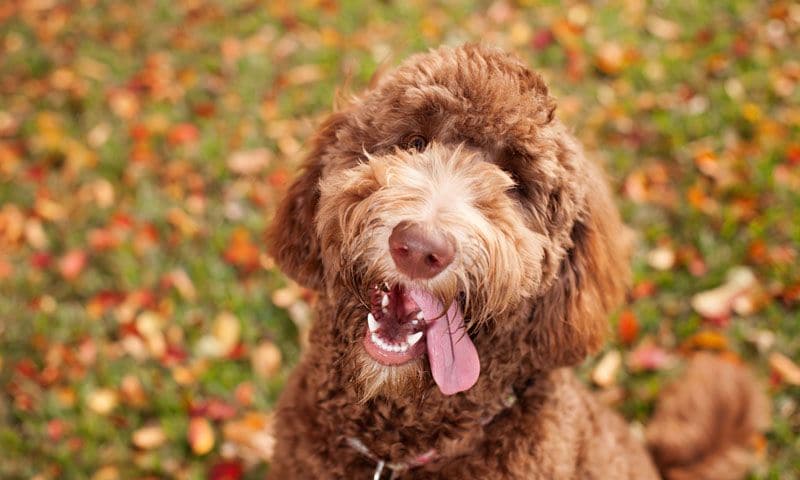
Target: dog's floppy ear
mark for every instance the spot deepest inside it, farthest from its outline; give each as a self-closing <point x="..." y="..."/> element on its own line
<point x="292" y="237"/>
<point x="570" y="320"/>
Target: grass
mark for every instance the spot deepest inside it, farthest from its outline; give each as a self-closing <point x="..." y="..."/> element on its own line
<point x="125" y="233"/>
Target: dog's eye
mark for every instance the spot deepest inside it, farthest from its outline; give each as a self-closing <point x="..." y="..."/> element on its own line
<point x="416" y="142"/>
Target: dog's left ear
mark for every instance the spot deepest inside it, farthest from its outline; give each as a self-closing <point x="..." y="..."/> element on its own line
<point x="570" y="320"/>
<point x="292" y="237"/>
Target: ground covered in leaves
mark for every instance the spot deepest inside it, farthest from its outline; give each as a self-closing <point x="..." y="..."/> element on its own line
<point x="144" y="332"/>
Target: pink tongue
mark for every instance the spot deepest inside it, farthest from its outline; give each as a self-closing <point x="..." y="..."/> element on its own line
<point x="452" y="355"/>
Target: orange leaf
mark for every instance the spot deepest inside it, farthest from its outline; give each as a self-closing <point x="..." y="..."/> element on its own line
<point x="6" y="269"/>
<point x="200" y="435"/>
<point x="241" y="250"/>
<point x="706" y="340"/>
<point x="183" y="133"/>
<point x="628" y="327"/>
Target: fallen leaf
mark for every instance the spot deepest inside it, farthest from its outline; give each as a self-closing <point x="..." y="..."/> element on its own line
<point x="251" y="436"/>
<point x="132" y="391"/>
<point x="35" y="234"/>
<point x="56" y="429"/>
<point x="706" y="340"/>
<point x="213" y="409"/>
<point x="102" y="401"/>
<point x="226" y="470"/>
<point x="249" y="162"/>
<point x="717" y="304"/>
<point x="286" y="296"/>
<point x="109" y="472"/>
<point x="150" y="437"/>
<point x="610" y="58"/>
<point x="663" y="28"/>
<point x="265" y="360"/>
<point x="661" y="258"/>
<point x="223" y="338"/>
<point x="200" y="435"/>
<point x="183" y="133"/>
<point x="244" y="393"/>
<point x="183" y="283"/>
<point x="763" y="340"/>
<point x="6" y="269"/>
<point x="72" y="264"/>
<point x="226" y="330"/>
<point x="788" y="371"/>
<point x="241" y="251"/>
<point x="648" y="356"/>
<point x="605" y="372"/>
<point x="628" y="327"/>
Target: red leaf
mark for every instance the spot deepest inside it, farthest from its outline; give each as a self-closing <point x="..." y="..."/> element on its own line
<point x="542" y="39"/>
<point x="56" y="429"/>
<point x="628" y="327"/>
<point x="214" y="408"/>
<point x="793" y="154"/>
<point x="226" y="470"/>
<point x="41" y="260"/>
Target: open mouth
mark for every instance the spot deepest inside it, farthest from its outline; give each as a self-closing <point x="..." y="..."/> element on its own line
<point x="403" y="323"/>
<point x="395" y="326"/>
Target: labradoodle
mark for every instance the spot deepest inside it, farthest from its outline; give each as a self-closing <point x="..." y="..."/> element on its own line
<point x="466" y="254"/>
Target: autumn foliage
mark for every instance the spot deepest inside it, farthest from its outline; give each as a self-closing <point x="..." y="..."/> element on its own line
<point x="145" y="332"/>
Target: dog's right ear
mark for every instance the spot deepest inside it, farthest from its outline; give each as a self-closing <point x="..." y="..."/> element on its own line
<point x="292" y="237"/>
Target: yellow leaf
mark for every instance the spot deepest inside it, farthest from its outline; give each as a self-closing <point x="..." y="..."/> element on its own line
<point x="200" y="436"/>
<point x="150" y="437"/>
<point x="102" y="401"/>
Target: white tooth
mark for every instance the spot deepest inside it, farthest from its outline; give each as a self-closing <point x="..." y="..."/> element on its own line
<point x="396" y="348"/>
<point x="404" y="347"/>
<point x="413" y="339"/>
<point x="375" y="338"/>
<point x="420" y="316"/>
<point x="385" y="301"/>
<point x="373" y="324"/>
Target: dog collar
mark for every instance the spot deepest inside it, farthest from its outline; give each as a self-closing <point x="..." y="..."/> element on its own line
<point x="397" y="468"/>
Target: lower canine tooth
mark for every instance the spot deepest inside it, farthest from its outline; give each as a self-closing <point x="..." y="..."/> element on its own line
<point x="413" y="339"/>
<point x="385" y="301"/>
<point x="373" y="324"/>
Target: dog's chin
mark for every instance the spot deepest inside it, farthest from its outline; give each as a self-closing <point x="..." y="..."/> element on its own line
<point x="376" y="379"/>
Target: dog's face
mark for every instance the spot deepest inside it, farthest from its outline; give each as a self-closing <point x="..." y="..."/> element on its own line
<point x="445" y="199"/>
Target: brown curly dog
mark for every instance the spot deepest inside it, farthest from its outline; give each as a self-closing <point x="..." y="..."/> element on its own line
<point x="465" y="252"/>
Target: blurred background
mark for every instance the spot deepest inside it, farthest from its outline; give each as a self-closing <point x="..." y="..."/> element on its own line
<point x="145" y="333"/>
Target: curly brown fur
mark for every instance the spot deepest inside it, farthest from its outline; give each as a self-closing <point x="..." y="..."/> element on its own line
<point x="541" y="259"/>
<point x="706" y="425"/>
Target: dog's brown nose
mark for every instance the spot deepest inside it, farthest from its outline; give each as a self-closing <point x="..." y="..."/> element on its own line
<point x="419" y="252"/>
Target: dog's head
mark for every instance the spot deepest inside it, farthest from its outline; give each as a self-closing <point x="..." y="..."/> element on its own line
<point x="450" y="203"/>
